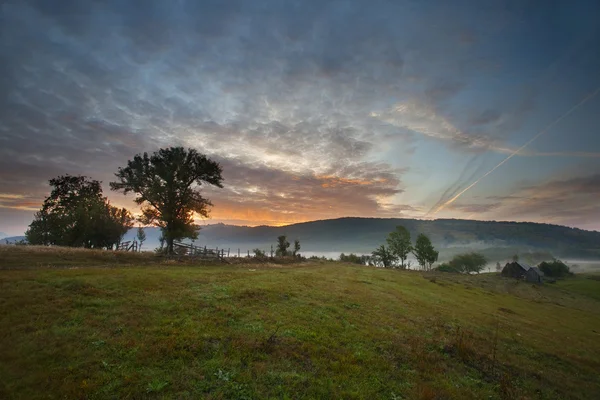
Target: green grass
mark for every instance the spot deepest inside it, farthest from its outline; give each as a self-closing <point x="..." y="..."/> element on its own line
<point x="585" y="284"/>
<point x="36" y="257"/>
<point x="304" y="331"/>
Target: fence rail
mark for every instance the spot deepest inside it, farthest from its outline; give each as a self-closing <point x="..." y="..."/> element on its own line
<point x="185" y="249"/>
<point x="128" y="246"/>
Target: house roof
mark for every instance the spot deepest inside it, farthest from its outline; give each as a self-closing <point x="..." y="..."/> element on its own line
<point x="526" y="267"/>
<point x="539" y="272"/>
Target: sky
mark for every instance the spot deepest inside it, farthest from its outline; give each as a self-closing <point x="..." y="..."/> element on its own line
<point x="315" y="109"/>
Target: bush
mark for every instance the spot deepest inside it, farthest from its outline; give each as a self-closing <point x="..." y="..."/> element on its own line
<point x="258" y="253"/>
<point x="464" y="263"/>
<point x="383" y="257"/>
<point x="354" y="259"/>
<point x="555" y="269"/>
<point x="446" y="267"/>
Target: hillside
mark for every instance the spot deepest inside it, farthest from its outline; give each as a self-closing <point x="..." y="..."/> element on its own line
<point x="11" y="239"/>
<point x="362" y="235"/>
<point x="108" y="327"/>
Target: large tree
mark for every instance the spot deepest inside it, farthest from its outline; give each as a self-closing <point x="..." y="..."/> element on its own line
<point x="77" y="215"/>
<point x="399" y="244"/>
<point x="167" y="184"/>
<point x="424" y="252"/>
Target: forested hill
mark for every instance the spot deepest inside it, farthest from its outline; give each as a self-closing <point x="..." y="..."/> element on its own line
<point x="364" y="234"/>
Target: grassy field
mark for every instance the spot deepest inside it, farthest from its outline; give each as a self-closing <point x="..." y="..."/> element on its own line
<point x="85" y="324"/>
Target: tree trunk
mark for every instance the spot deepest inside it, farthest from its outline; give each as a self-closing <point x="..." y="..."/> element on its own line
<point x="170" y="245"/>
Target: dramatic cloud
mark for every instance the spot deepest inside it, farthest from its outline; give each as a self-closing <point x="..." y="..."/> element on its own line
<point x="316" y="109"/>
<point x="569" y="201"/>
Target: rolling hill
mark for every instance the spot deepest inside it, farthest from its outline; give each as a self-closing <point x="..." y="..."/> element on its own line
<point x="94" y="324"/>
<point x="362" y="235"/>
<point x="11" y="239"/>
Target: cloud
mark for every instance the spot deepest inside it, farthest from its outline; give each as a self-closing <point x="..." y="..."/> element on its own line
<point x="474" y="208"/>
<point x="326" y="98"/>
<point x="260" y="193"/>
<point x="486" y="117"/>
<point x="422" y="119"/>
<point x="570" y="201"/>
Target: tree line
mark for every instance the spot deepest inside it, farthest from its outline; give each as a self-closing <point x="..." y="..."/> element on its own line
<point x="282" y="249"/>
<point x="166" y="185"/>
<point x="399" y="246"/>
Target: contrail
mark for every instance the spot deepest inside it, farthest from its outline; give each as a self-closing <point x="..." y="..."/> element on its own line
<point x="542" y="132"/>
<point x="459" y="182"/>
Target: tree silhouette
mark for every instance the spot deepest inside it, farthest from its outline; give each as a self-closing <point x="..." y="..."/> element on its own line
<point x="167" y="187"/>
<point x="424" y="252"/>
<point x="77" y="215"/>
<point x="282" y="246"/>
<point x="383" y="256"/>
<point x="141" y="236"/>
<point x="399" y="244"/>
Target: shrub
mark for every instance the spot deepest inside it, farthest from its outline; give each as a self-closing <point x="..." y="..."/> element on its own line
<point x="446" y="267"/>
<point x="354" y="259"/>
<point x="383" y="257"/>
<point x="258" y="253"/>
<point x="555" y="269"/>
<point x="468" y="262"/>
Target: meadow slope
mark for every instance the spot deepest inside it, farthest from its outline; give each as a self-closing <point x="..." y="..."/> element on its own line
<point x="100" y="325"/>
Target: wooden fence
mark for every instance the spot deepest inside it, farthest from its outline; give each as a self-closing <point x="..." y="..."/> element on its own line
<point x="128" y="246"/>
<point x="185" y="249"/>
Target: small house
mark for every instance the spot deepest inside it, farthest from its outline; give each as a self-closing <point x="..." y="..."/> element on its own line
<point x="520" y="270"/>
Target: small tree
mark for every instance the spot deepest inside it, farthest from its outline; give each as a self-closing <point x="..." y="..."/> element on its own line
<point x="399" y="244"/>
<point x="282" y="246"/>
<point x="296" y="247"/>
<point x="258" y="253"/>
<point x="167" y="187"/>
<point x="469" y="262"/>
<point x="424" y="252"/>
<point x="384" y="257"/>
<point x="141" y="236"/>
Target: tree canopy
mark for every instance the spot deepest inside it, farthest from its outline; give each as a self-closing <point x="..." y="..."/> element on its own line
<point x="399" y="244"/>
<point x="355" y="259"/>
<point x="167" y="184"/>
<point x="465" y="263"/>
<point x="384" y="257"/>
<point x="424" y="252"/>
<point x="141" y="236"/>
<point x="296" y="247"/>
<point x="282" y="246"/>
<point x="77" y="215"/>
<point x="555" y="268"/>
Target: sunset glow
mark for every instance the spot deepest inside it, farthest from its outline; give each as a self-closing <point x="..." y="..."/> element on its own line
<point x="315" y="110"/>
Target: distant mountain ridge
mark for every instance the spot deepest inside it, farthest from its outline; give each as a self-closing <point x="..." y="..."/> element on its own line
<point x="363" y="235"/>
<point x="11" y="239"/>
<point x="498" y="240"/>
